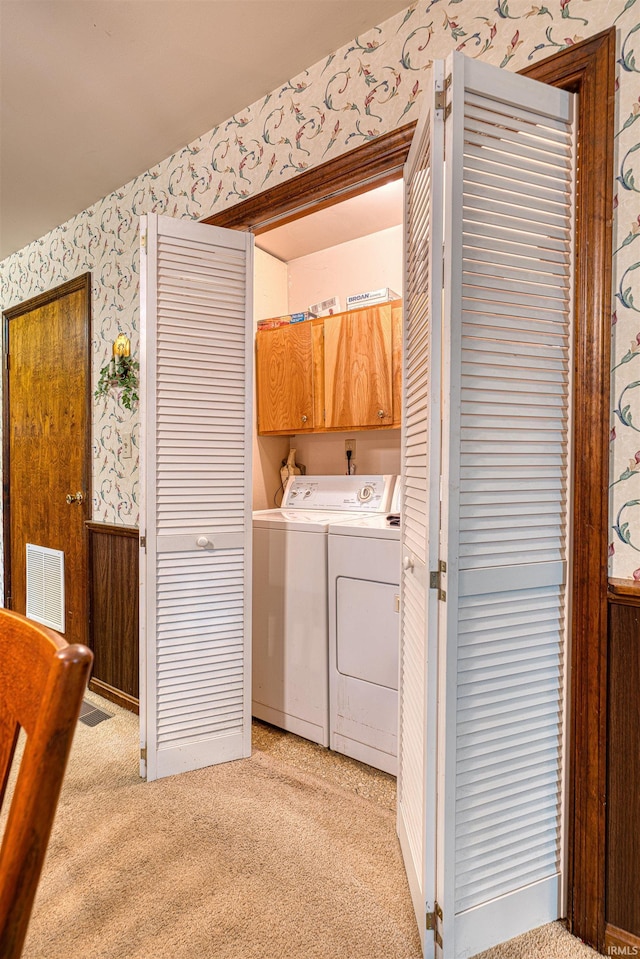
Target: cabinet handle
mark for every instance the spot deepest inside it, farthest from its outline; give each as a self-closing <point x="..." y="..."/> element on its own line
<point x="304" y="418"/>
<point x="381" y="414"/>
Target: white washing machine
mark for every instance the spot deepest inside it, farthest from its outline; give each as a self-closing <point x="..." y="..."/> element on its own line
<point x="364" y="633"/>
<point x="290" y="656"/>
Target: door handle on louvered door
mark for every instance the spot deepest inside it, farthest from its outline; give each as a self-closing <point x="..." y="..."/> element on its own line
<point x="78" y="498"/>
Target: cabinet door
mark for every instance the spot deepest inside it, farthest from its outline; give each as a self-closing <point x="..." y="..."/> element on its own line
<point x="357" y="368"/>
<point x="396" y="360"/>
<point x="285" y="379"/>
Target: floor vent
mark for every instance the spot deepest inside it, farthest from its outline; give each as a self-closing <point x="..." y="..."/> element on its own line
<point x="90" y="715"/>
<point x="45" y="586"/>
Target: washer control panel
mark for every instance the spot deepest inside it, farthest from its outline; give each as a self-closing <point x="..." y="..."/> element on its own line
<point x="371" y="494"/>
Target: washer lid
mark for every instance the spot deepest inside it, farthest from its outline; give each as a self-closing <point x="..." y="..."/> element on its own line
<point x="307" y="521"/>
<point x="375" y="527"/>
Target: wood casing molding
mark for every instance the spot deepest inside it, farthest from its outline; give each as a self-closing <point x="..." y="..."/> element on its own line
<point x="358" y="171"/>
<point x="587" y="69"/>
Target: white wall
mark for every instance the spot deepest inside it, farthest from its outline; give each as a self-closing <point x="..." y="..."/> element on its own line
<point x="368" y="263"/>
<point x="377" y="451"/>
<point x="269" y="299"/>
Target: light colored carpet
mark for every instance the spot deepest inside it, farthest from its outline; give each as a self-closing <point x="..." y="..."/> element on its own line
<point x="291" y="854"/>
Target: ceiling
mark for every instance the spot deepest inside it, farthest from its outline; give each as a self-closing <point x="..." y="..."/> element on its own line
<point x="95" y="92"/>
<point x="370" y="212"/>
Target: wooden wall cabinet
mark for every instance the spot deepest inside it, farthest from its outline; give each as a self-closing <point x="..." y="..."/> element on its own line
<point x="340" y="372"/>
<point x="284" y="360"/>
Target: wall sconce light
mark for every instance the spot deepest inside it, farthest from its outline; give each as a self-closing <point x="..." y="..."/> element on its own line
<point x="120" y="374"/>
<point x="122" y="345"/>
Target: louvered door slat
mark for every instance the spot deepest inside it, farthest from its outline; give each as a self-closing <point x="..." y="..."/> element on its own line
<point x="196" y="512"/>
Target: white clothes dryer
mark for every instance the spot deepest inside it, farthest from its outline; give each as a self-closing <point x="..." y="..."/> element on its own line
<point x="364" y="634"/>
<point x="290" y="655"/>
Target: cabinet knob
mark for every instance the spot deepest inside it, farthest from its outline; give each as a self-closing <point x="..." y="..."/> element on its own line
<point x="202" y="541"/>
<point x="304" y="418"/>
<point x="381" y="414"/>
<point x="407" y="562"/>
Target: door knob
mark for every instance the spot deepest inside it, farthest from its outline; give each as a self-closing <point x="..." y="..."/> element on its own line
<point x="78" y="498"/>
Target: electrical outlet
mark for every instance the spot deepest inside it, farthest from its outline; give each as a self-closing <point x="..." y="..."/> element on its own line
<point x="350" y="446"/>
<point x="126" y="446"/>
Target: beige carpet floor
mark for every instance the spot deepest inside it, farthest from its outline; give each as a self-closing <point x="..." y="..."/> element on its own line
<point x="291" y="854"/>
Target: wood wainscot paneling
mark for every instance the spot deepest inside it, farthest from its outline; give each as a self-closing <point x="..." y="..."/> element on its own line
<point x="622" y="930"/>
<point x="113" y="601"/>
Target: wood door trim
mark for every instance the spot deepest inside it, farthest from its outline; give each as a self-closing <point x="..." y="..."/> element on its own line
<point x="370" y="165"/>
<point x="588" y="69"/>
<point x="117" y="696"/>
<point x="112" y="529"/>
<point x="80" y="283"/>
<point x="620" y="942"/>
<point x="621" y="588"/>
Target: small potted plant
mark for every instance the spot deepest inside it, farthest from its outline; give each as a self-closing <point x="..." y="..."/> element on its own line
<point x="121" y="373"/>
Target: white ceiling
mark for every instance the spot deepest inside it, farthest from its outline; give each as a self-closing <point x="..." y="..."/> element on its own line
<point x="362" y="215"/>
<point x="95" y="92"/>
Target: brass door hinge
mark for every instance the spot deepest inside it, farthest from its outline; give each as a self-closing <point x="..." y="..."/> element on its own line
<point x="435" y="580"/>
<point x="433" y="920"/>
<point x="143" y="542"/>
<point x="143" y="241"/>
<point x="143" y="753"/>
<point x="440" y="102"/>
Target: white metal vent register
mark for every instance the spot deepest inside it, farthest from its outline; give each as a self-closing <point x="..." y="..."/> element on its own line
<point x="45" y="586"/>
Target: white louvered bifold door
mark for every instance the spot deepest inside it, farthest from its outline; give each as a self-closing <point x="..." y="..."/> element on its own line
<point x="196" y="376"/>
<point x="507" y="348"/>
<point x="420" y="510"/>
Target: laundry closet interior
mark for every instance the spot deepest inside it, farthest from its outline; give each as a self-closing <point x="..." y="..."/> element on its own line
<point x="327" y="565"/>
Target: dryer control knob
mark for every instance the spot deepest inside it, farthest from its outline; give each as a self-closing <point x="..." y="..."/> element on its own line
<point x="365" y="494"/>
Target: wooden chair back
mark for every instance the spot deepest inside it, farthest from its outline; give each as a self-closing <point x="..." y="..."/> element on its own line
<point x="42" y="682"/>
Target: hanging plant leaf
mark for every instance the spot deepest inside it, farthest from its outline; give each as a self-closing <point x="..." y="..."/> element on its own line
<point x="120" y="373"/>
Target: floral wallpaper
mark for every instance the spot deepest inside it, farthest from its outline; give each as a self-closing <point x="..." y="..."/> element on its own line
<point x="368" y="87"/>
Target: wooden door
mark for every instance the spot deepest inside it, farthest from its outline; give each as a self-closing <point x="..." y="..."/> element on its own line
<point x="284" y="370"/>
<point x="357" y="368"/>
<point x="47" y="442"/>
